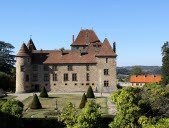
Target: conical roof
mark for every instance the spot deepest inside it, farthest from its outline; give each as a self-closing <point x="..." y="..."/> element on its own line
<point x="23" y="51"/>
<point x="106" y="49"/>
<point x="85" y="37"/>
<point x="31" y="45"/>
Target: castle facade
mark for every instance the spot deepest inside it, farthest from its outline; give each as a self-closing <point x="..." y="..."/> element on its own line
<point x="90" y="62"/>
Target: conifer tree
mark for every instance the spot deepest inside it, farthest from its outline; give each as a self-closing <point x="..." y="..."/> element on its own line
<point x="83" y="101"/>
<point x="90" y="93"/>
<point x="35" y="104"/>
<point x="165" y="63"/>
<point x="43" y="93"/>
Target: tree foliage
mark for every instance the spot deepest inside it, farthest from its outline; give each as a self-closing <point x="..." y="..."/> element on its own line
<point x="136" y="70"/>
<point x="35" y="104"/>
<point x="138" y="106"/>
<point x="68" y="115"/>
<point x="7" y="82"/>
<point x="165" y="63"/>
<point x="43" y="93"/>
<point x="12" y="107"/>
<point x="83" y="101"/>
<point x="90" y="93"/>
<point x="89" y="117"/>
<point x="6" y="58"/>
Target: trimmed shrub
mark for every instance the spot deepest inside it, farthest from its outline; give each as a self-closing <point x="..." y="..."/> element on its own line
<point x="83" y="101"/>
<point x="43" y="93"/>
<point x="90" y="93"/>
<point x="35" y="104"/>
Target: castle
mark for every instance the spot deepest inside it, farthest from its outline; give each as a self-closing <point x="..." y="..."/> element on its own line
<point x="89" y="63"/>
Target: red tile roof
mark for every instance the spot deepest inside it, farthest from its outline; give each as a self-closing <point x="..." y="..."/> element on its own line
<point x="106" y="49"/>
<point x="85" y="37"/>
<point x="145" y="78"/>
<point x="69" y="58"/>
<point x="23" y="51"/>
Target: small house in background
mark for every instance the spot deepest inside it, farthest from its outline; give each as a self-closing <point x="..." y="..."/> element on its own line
<point x="140" y="80"/>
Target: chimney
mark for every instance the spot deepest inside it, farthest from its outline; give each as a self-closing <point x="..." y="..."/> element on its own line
<point x="73" y="39"/>
<point x="114" y="47"/>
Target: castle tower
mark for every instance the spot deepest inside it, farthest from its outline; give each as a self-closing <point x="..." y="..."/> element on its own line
<point x="106" y="67"/>
<point x="23" y="70"/>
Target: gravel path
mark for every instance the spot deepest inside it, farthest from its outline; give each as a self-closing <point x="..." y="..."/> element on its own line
<point x="110" y="105"/>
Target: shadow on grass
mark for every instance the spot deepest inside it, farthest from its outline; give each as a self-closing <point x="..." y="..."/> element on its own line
<point x="100" y="97"/>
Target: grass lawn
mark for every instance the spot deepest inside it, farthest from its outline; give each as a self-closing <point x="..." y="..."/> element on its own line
<point x="48" y="104"/>
<point x="8" y="97"/>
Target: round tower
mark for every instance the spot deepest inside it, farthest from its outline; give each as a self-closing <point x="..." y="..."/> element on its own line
<point x="23" y="70"/>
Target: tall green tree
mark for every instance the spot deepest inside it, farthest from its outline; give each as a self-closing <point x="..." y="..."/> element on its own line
<point x="136" y="70"/>
<point x="165" y="63"/>
<point x="89" y="117"/>
<point x="6" y="57"/>
<point x="68" y="115"/>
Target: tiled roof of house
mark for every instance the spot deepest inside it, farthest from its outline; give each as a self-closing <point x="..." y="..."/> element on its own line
<point x="31" y="45"/>
<point x="106" y="49"/>
<point x="23" y="51"/>
<point x="145" y="78"/>
<point x="85" y="37"/>
<point x="69" y="58"/>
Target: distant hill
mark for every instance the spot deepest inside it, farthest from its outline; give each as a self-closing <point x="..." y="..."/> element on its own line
<point x="126" y="70"/>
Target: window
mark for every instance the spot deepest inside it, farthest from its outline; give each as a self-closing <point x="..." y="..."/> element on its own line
<point x="87" y="76"/>
<point x="87" y="68"/>
<point x="74" y="77"/>
<point x="27" y="78"/>
<point x="106" y="60"/>
<point x="106" y="83"/>
<point x="54" y="77"/>
<point x="46" y="77"/>
<point x="65" y="77"/>
<point x="35" y="68"/>
<point x="46" y="68"/>
<point x="54" y="67"/>
<point x="22" y="68"/>
<point x="70" y="68"/>
<point x="106" y="71"/>
<point x="35" y="77"/>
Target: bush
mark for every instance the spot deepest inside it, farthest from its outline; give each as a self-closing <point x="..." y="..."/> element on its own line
<point x="83" y="101"/>
<point x="43" y="93"/>
<point x="35" y="104"/>
<point x="90" y="93"/>
<point x="12" y="107"/>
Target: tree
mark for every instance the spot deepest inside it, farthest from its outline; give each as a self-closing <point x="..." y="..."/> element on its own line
<point x="12" y="107"/>
<point x="165" y="63"/>
<point x="7" y="82"/>
<point x="68" y="115"/>
<point x="126" y="100"/>
<point x="89" y="117"/>
<point x="6" y="58"/>
<point x="35" y="104"/>
<point x="136" y="70"/>
<point x="43" y="93"/>
<point x="83" y="101"/>
<point x="90" y="93"/>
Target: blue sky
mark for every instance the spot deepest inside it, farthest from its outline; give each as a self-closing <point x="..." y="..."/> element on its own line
<point x="139" y="27"/>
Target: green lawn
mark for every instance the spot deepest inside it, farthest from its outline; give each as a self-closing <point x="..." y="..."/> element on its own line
<point x="48" y="104"/>
<point x="8" y="97"/>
